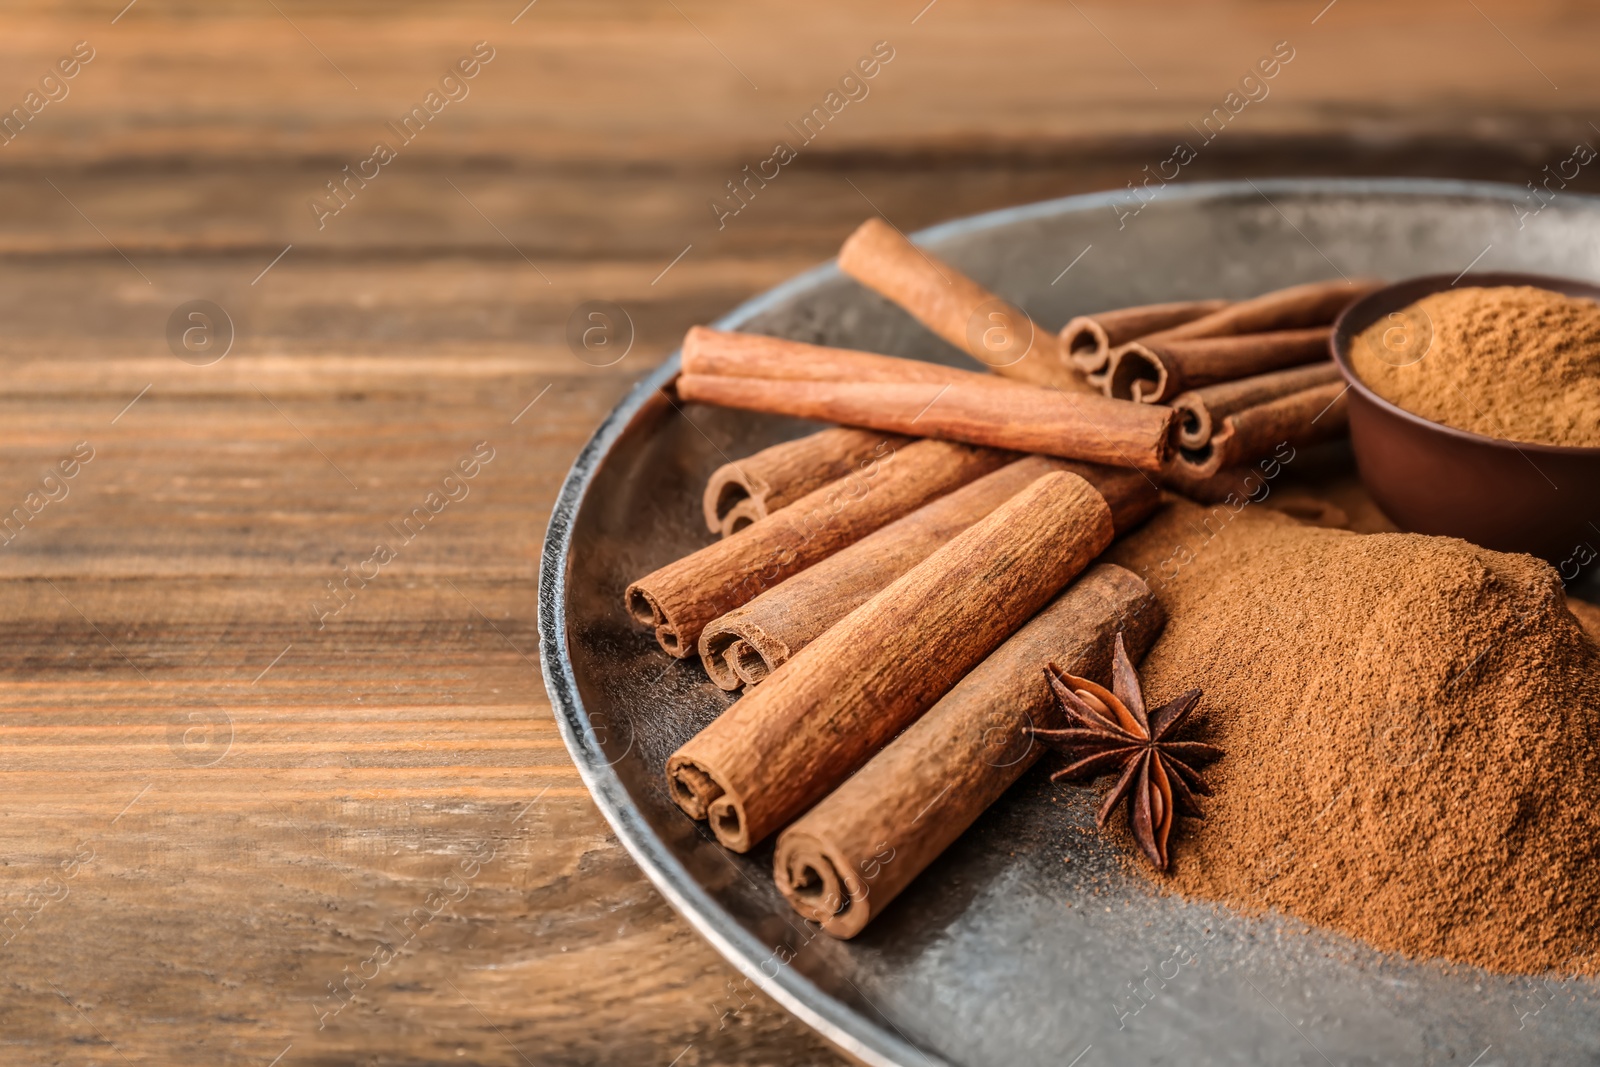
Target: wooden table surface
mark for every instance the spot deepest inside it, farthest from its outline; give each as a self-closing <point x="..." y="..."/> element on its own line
<point x="230" y="790"/>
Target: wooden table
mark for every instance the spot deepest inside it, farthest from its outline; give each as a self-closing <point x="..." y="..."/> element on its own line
<point x="254" y="819"/>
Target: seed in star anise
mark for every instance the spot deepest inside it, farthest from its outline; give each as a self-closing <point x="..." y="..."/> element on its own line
<point x="1111" y="730"/>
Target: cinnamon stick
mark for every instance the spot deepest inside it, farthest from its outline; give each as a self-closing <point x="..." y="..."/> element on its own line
<point x="793" y="738"/>
<point x="987" y="327"/>
<point x="1200" y="411"/>
<point x="748" y="489"/>
<point x="1155" y="370"/>
<point x="1087" y="340"/>
<point x="680" y="598"/>
<point x="912" y="397"/>
<point x="1311" y="304"/>
<point x="753" y="640"/>
<point x="1303" y="418"/>
<point x="1297" y="307"/>
<point x="724" y="353"/>
<point x="843" y="861"/>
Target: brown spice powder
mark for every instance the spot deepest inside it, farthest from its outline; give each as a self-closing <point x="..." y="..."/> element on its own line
<point x="1513" y="362"/>
<point x="1412" y="728"/>
<point x="1588" y="616"/>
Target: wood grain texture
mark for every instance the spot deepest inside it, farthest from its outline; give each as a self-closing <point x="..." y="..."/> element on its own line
<point x="335" y="778"/>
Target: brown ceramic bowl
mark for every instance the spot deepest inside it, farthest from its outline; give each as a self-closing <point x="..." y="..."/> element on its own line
<point x="1435" y="479"/>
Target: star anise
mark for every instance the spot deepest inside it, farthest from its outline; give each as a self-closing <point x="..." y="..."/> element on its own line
<point x="1110" y="729"/>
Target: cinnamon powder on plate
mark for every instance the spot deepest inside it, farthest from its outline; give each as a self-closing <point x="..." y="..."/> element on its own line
<point x="1412" y="729"/>
<point x="1513" y="362"/>
<point x="1588" y="616"/>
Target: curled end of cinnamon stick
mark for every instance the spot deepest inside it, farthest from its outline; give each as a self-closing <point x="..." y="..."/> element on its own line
<point x="1195" y="465"/>
<point x="645" y="609"/>
<point x="726" y="490"/>
<point x="691" y="788"/>
<point x="749" y="663"/>
<point x="1193" y="427"/>
<point x="1136" y="373"/>
<point x="715" y="643"/>
<point x="642" y="607"/>
<point x="809" y="878"/>
<point x="736" y="651"/>
<point x="1085" y="344"/>
<point x="726" y="817"/>
<point x="742" y="514"/>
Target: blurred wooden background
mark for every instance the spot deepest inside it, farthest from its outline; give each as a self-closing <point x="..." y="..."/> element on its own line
<point x="218" y="809"/>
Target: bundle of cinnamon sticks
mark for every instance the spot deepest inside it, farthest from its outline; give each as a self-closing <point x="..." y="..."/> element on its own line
<point x="887" y="591"/>
<point x="938" y="614"/>
<point x="1183" y="354"/>
<point x="907" y="396"/>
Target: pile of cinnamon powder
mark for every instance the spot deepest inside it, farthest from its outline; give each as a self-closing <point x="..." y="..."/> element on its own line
<point x="1513" y="362"/>
<point x="1412" y="729"/>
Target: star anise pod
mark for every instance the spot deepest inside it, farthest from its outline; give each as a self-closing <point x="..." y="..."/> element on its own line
<point x="1110" y="729"/>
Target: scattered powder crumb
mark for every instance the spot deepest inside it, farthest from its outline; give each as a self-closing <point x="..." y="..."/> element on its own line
<point x="1412" y="729"/>
<point x="1513" y="362"/>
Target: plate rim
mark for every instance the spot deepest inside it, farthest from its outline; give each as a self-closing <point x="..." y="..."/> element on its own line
<point x="841" y="1026"/>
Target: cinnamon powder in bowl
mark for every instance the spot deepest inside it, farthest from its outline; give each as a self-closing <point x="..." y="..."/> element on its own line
<point x="1474" y="405"/>
<point x="1515" y="362"/>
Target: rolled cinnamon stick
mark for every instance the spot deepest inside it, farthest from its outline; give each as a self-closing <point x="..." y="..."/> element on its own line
<point x="1087" y="340"/>
<point x="990" y="329"/>
<point x="912" y="397"/>
<point x="1297" y="307"/>
<point x="753" y="640"/>
<point x="1311" y="304"/>
<point x="724" y="353"/>
<point x="680" y="598"/>
<point x="1201" y="411"/>
<point x="1156" y="370"/>
<point x="1303" y="418"/>
<point x="748" y="489"/>
<point x="843" y="861"/>
<point x="790" y="740"/>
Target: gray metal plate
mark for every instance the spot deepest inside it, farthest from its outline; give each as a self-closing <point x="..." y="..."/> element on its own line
<point x="1003" y="953"/>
